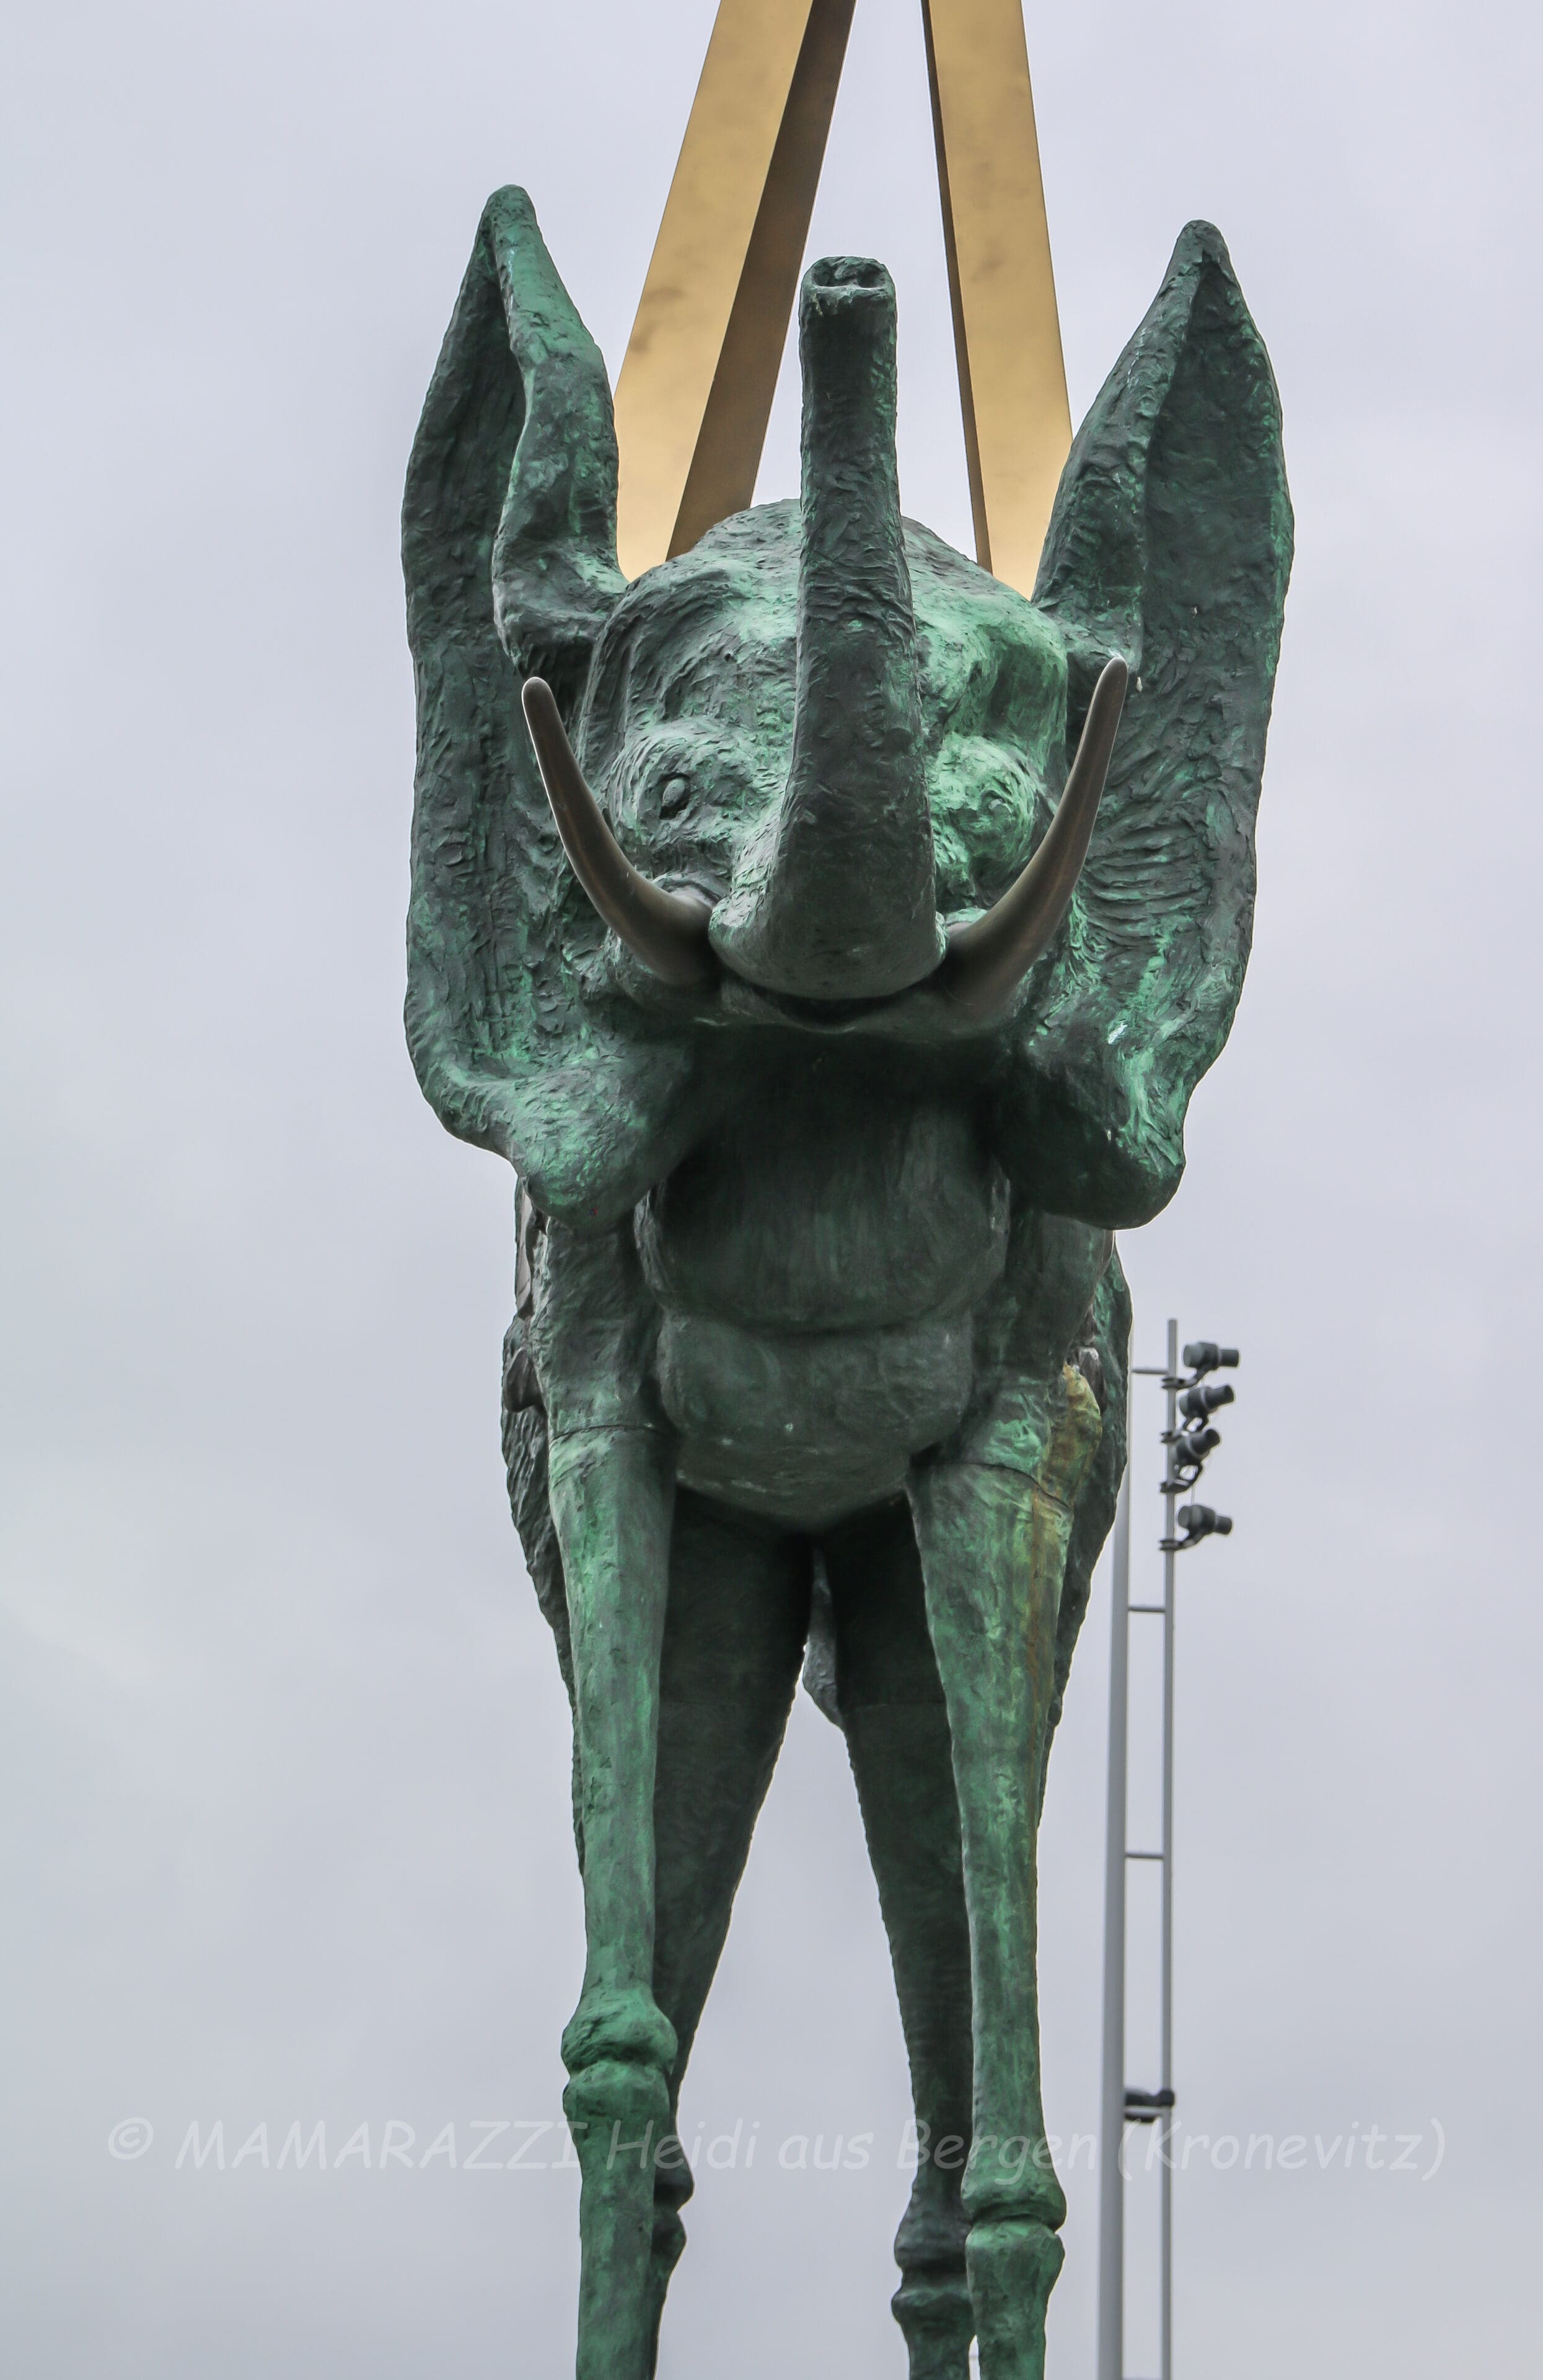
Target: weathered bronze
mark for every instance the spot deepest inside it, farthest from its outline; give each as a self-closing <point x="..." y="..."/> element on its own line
<point x="666" y="931"/>
<point x="983" y="964"/>
<point x="831" y="1039"/>
<point x="987" y="960"/>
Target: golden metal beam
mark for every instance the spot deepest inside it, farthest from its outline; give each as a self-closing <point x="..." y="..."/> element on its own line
<point x="700" y="371"/>
<point x="696" y="388"/>
<point x="1006" y="329"/>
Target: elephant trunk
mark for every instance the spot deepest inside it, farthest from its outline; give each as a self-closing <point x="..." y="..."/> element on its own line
<point x="842" y="905"/>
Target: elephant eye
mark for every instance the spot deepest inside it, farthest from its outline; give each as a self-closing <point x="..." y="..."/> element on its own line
<point x="674" y="796"/>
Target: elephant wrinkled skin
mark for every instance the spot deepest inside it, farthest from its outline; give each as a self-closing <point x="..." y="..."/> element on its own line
<point x="827" y="1069"/>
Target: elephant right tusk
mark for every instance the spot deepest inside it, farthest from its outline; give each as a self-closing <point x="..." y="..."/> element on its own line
<point x="987" y="960"/>
<point x="666" y="931"/>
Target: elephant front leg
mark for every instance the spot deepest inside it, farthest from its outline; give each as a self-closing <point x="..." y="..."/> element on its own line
<point x="612" y="1493"/>
<point x="993" y="1548"/>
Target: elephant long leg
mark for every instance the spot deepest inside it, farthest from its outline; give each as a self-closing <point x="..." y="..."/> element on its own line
<point x="896" y="1726"/>
<point x="734" y="1639"/>
<point x="993" y="1547"/>
<point x="611" y="1492"/>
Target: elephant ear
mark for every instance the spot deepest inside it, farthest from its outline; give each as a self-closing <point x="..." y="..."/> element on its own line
<point x="1170" y="543"/>
<point x="509" y="550"/>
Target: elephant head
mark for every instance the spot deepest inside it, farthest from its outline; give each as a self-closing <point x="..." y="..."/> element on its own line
<point x="823" y="776"/>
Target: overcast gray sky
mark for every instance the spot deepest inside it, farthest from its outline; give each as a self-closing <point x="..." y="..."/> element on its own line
<point x="284" y="1747"/>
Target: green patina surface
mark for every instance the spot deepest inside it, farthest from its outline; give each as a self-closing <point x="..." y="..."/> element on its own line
<point x="820" y="1352"/>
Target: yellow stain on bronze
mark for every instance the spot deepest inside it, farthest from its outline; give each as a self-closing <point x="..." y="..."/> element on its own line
<point x="695" y="387"/>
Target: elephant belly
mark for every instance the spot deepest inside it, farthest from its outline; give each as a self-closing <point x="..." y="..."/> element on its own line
<point x="805" y="1426"/>
<point x="815" y="1266"/>
<point x="833" y="1200"/>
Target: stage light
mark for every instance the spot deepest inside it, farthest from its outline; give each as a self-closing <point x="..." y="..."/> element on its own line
<point x="1204" y="1355"/>
<point x="1188" y="1458"/>
<point x="1199" y="1521"/>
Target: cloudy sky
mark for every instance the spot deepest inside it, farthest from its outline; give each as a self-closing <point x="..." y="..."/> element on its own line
<point x="284" y="1747"/>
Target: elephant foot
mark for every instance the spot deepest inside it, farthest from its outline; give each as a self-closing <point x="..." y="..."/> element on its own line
<point x="935" y="2313"/>
<point x="1013" y="2262"/>
<point x="673" y="2187"/>
<point x="617" y="2104"/>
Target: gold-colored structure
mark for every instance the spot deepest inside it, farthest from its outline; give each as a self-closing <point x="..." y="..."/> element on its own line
<point x="696" y="388"/>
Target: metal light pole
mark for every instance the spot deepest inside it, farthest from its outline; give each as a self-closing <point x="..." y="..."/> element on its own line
<point x="1185" y="1454"/>
<point x="1165" y="2079"/>
<point x="1112" y="2124"/>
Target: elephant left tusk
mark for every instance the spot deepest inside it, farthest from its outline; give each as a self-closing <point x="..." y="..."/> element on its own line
<point x="987" y="960"/>
<point x="666" y="931"/>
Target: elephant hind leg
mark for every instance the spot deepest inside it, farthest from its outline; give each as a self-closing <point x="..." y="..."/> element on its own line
<point x="892" y="1710"/>
<point x="734" y="1630"/>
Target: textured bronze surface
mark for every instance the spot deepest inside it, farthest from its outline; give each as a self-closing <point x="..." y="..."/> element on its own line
<point x="819" y="1340"/>
<point x="666" y="931"/>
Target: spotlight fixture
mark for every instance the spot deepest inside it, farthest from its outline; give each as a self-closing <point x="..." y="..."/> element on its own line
<point x="1190" y="1450"/>
<point x="1204" y="1355"/>
<point x="1197" y="1521"/>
